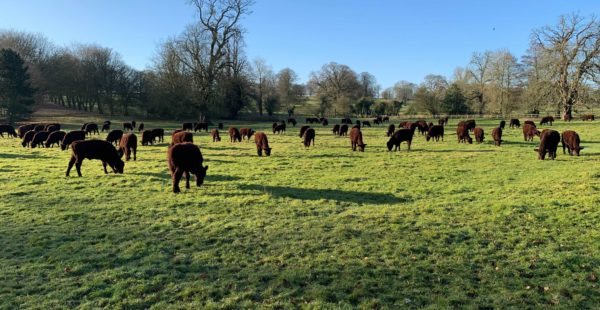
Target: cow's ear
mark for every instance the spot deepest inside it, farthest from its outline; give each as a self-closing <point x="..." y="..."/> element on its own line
<point x="536" y="150"/>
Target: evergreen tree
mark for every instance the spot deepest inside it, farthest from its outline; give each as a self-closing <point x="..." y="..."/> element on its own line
<point x="454" y="101"/>
<point x="16" y="93"/>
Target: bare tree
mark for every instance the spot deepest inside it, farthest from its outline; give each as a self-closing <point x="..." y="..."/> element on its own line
<point x="478" y="70"/>
<point x="261" y="73"/>
<point x="504" y="72"/>
<point x="368" y="85"/>
<point x="337" y="85"/>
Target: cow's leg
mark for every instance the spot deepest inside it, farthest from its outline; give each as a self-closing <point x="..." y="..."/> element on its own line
<point x="104" y="166"/>
<point x="134" y="152"/>
<point x="409" y="142"/>
<point x="78" y="166"/>
<point x="71" y="162"/>
<point x="176" y="177"/>
<point x="187" y="179"/>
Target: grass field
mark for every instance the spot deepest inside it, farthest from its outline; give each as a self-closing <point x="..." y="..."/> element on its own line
<point x="446" y="225"/>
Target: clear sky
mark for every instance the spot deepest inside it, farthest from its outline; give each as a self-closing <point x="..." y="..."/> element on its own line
<point x="392" y="39"/>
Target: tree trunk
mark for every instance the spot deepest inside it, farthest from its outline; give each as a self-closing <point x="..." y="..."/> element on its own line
<point x="567" y="111"/>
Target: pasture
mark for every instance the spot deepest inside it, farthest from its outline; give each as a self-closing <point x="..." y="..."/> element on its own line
<point x="444" y="225"/>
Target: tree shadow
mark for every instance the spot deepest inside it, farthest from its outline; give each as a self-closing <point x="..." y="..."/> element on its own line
<point x="329" y="194"/>
<point x="28" y="156"/>
<point x="450" y="151"/>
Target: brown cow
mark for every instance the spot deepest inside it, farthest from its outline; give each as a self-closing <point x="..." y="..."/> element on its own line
<point x="304" y="128"/>
<point x="547" y="120"/>
<point x="22" y="130"/>
<point x="183" y="159"/>
<point x="71" y="137"/>
<point x="114" y="136"/>
<point x="215" y="135"/>
<point x="39" y="138"/>
<point x="95" y="149"/>
<point x="181" y="137"/>
<point x="548" y="144"/>
<point x="497" y="136"/>
<point x="570" y="140"/>
<point x="201" y="126"/>
<point x="27" y="138"/>
<point x="356" y="140"/>
<point x="279" y="128"/>
<point x="530" y="122"/>
<point x="54" y="137"/>
<point x="588" y="117"/>
<point x="502" y="124"/>
<point x="391" y="130"/>
<point x="247" y="133"/>
<point x="344" y="130"/>
<point x="478" y="133"/>
<point x="514" y="123"/>
<point x="128" y="145"/>
<point x="462" y="133"/>
<point x="262" y="143"/>
<point x="422" y="126"/>
<point x="402" y="135"/>
<point x="10" y="130"/>
<point x="147" y="137"/>
<point x="91" y="128"/>
<point x="336" y="129"/>
<point x="309" y="135"/>
<point x="52" y="127"/>
<point x="435" y="132"/>
<point x="529" y="131"/>
<point x="234" y="135"/>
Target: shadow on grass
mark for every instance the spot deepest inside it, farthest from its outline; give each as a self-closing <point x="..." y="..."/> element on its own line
<point x="329" y="194"/>
<point x="448" y="151"/>
<point x="32" y="156"/>
<point x="209" y="177"/>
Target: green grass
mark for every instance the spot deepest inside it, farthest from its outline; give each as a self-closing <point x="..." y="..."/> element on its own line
<point x="446" y="225"/>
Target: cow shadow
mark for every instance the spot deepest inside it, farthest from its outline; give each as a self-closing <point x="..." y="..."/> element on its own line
<point x="209" y="177"/>
<point x="329" y="194"/>
<point x="450" y="151"/>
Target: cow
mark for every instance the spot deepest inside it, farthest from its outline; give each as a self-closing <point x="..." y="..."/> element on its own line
<point x="502" y="124"/>
<point x="470" y="123"/>
<point x="158" y="133"/>
<point x="346" y="121"/>
<point x="514" y="123"/>
<point x="386" y="119"/>
<point x="52" y="127"/>
<point x="422" y="126"/>
<point x="324" y="122"/>
<point x="547" y="120"/>
<point x="377" y="121"/>
<point x="443" y="121"/>
<point x="303" y="130"/>
<point x="234" y="135"/>
<point x="105" y="127"/>
<point x="275" y="124"/>
<point x="279" y="128"/>
<point x="262" y="144"/>
<point x="292" y="121"/>
<point x="402" y="135"/>
<point x="588" y="117"/>
<point x="127" y="146"/>
<point x="183" y="159"/>
<point x="548" y="144"/>
<point x="570" y="140"/>
<point x="39" y="127"/>
<point x="530" y="131"/>
<point x="132" y="125"/>
<point x="201" y="126"/>
<point x="356" y="140"/>
<point x="71" y="137"/>
<point x="187" y="126"/>
<point x="114" y="136"/>
<point x="215" y="135"/>
<point x="127" y="127"/>
<point x="220" y="126"/>
<point x="10" y="130"/>
<point x="181" y="137"/>
<point x="530" y="122"/>
<point x="391" y="130"/>
<point x="54" y="137"/>
<point x="27" y="138"/>
<point x="357" y="123"/>
<point x="436" y="132"/>
<point x="336" y="129"/>
<point x="343" y="130"/>
<point x="95" y="149"/>
<point x="478" y="133"/>
<point x="462" y="133"/>
<point x="309" y="135"/>
<point x="141" y="127"/>
<point x="404" y="124"/>
<point x="246" y="132"/>
<point x="365" y="124"/>
<point x="497" y="136"/>
<point x="22" y="130"/>
<point x="147" y="137"/>
<point x="91" y="128"/>
<point x="39" y="138"/>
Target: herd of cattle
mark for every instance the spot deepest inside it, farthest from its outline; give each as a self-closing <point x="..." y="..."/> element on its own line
<point x="185" y="158"/>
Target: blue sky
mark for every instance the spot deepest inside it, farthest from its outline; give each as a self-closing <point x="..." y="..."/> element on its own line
<point x="393" y="40"/>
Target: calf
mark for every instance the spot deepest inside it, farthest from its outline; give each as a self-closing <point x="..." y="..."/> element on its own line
<point x="547" y="120"/>
<point x="215" y="135"/>
<point x="158" y="133"/>
<point x="391" y="130"/>
<point x="436" y="132"/>
<point x="279" y="128"/>
<point x="344" y="130"/>
<point x="309" y="135"/>
<point x="462" y="133"/>
<point x="54" y="137"/>
<point x="234" y="135"/>
<point x="201" y="126"/>
<point x="548" y="144"/>
<point x="478" y="133"/>
<point x="303" y="129"/>
<point x="147" y="137"/>
<point x="91" y="128"/>
<point x="10" y="130"/>
<point x="27" y="138"/>
<point x="39" y="138"/>
<point x="183" y="159"/>
<point x="114" y="136"/>
<point x="141" y="127"/>
<point x="127" y="127"/>
<point x="402" y="135"/>
<point x="95" y="149"/>
<point x="514" y="123"/>
<point x="128" y="145"/>
<point x="246" y="132"/>
<point x="529" y="131"/>
<point x="336" y="129"/>
<point x="262" y="143"/>
<point x="502" y="124"/>
<point x="365" y="124"/>
<point x="570" y="141"/>
<point x="22" y="130"/>
<point x="356" y="140"/>
<point x="187" y="126"/>
<point x="497" y="136"/>
<point x="292" y="121"/>
<point x="181" y="137"/>
<point x="71" y="137"/>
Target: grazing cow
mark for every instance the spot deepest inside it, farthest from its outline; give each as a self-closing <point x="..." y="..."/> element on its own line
<point x="127" y="146"/>
<point x="422" y="126"/>
<point x="309" y="135"/>
<point x="91" y="128"/>
<point x="588" y="117"/>
<point x="336" y="129"/>
<point x="356" y="140"/>
<point x="344" y="130"/>
<point x="52" y="127"/>
<point x="279" y="128"/>
<point x="346" y="121"/>
<point x="234" y="135"/>
<point x="529" y="131"/>
<point x="71" y="137"/>
<point x="548" y="144"/>
<point x="377" y="121"/>
<point x="292" y="121"/>
<point x="303" y="130"/>
<point x="386" y="119"/>
<point x="246" y="132"/>
<point x="478" y="133"/>
<point x="547" y="120"/>
<point x="443" y="121"/>
<point x="324" y="122"/>
<point x="22" y="130"/>
<point x="127" y="127"/>
<point x="502" y="124"/>
<point x="105" y="127"/>
<point x="114" y="136"/>
<point x="530" y="122"/>
<point x="391" y="130"/>
<point x="365" y="124"/>
<point x="402" y="135"/>
<point x="462" y="133"/>
<point x="201" y="126"/>
<point x="262" y="143"/>
<point x="95" y="149"/>
<point x="570" y="141"/>
<point x="27" y="138"/>
<point x="357" y="123"/>
<point x="497" y="136"/>
<point x="514" y="123"/>
<point x="10" y="130"/>
<point x="39" y="127"/>
<point x="470" y="123"/>
<point x="132" y="125"/>
<point x="183" y="159"/>
<point x="404" y="124"/>
<point x="39" y="138"/>
<point x="436" y="132"/>
<point x="54" y="137"/>
<point x="147" y="137"/>
<point x="275" y="124"/>
<point x="187" y="126"/>
<point x="215" y="135"/>
<point x="141" y="127"/>
<point x="182" y="136"/>
<point x="220" y="126"/>
<point x="158" y="133"/>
